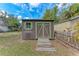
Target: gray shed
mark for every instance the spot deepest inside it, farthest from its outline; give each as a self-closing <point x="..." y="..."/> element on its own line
<point x="37" y="28"/>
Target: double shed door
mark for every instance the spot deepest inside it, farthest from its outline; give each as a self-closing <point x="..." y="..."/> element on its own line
<point x="43" y="30"/>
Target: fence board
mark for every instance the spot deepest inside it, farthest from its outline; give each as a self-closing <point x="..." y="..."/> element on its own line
<point x="67" y="39"/>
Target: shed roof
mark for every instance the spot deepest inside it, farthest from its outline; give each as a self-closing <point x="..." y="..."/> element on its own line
<point x="37" y="20"/>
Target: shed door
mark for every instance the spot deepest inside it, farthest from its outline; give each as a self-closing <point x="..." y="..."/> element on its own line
<point x="43" y="30"/>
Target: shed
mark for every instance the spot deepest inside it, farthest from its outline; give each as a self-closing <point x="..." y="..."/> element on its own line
<point x="37" y="28"/>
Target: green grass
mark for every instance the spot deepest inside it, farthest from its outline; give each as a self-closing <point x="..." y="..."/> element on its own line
<point x="11" y="44"/>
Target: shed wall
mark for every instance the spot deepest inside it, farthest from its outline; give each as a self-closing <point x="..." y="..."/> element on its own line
<point x="31" y="34"/>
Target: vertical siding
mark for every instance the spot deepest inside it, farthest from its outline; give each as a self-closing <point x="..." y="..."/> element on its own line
<point x="29" y="34"/>
<point x="52" y="30"/>
<point x="32" y="33"/>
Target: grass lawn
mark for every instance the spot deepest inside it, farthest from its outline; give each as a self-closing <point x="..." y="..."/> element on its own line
<point x="11" y="44"/>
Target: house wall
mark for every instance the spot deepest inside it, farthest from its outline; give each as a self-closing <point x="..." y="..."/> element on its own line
<point x="3" y="27"/>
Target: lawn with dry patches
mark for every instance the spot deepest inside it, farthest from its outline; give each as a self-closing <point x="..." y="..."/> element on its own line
<point x="11" y="44"/>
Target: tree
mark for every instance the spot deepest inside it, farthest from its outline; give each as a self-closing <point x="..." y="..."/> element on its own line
<point x="76" y="26"/>
<point x="12" y="23"/>
<point x="47" y="14"/>
<point x="51" y="14"/>
<point x="76" y="34"/>
<point x="65" y="13"/>
<point x="74" y="9"/>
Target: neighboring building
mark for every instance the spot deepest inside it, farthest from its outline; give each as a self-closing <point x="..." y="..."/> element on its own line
<point x="37" y="28"/>
<point x="3" y="27"/>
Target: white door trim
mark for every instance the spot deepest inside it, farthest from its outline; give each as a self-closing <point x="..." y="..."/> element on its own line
<point x="43" y="29"/>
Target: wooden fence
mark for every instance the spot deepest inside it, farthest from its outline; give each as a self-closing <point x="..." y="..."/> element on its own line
<point x="67" y="40"/>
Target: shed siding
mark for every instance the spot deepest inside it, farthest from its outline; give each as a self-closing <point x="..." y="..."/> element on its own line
<point x="31" y="34"/>
<point x="52" y="31"/>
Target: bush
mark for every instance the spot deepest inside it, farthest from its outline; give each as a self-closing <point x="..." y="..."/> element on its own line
<point x="76" y="36"/>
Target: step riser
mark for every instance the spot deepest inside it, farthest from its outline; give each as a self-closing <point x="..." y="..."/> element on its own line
<point x="44" y="45"/>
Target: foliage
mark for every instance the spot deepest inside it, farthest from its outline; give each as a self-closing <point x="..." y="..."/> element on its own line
<point x="76" y="26"/>
<point x="72" y="11"/>
<point x="47" y="14"/>
<point x="12" y="23"/>
<point x="54" y="13"/>
<point x="51" y="14"/>
<point x="9" y="21"/>
<point x="76" y="34"/>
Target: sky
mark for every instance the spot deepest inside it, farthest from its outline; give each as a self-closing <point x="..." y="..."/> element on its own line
<point x="27" y="10"/>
